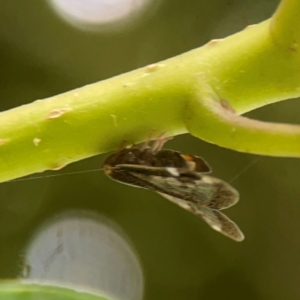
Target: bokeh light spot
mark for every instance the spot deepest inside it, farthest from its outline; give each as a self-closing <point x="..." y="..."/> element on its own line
<point x="86" y="251"/>
<point x="100" y="14"/>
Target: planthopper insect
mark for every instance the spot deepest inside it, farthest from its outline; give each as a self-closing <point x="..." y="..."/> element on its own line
<point x="180" y="178"/>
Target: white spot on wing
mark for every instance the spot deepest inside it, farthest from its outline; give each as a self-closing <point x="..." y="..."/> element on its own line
<point x="173" y="171"/>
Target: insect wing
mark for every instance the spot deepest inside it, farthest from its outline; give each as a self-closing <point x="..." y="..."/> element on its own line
<point x="192" y="163"/>
<point x="196" y="163"/>
<point x="125" y="175"/>
<point x="214" y="218"/>
<point x="224" y="194"/>
<point x="226" y="226"/>
<point x="147" y="170"/>
<point x="169" y="158"/>
<point x="169" y="181"/>
<point x="208" y="191"/>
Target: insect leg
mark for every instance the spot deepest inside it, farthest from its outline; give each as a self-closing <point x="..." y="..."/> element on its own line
<point x="159" y="142"/>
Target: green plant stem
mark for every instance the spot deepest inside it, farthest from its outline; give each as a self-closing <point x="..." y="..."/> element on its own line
<point x="237" y="132"/>
<point x="285" y="26"/>
<point x="250" y="69"/>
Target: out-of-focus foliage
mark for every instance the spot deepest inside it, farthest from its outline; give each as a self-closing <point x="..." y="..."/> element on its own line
<point x="42" y="55"/>
<point x="17" y="291"/>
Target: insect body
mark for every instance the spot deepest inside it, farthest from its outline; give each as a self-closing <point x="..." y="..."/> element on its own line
<point x="179" y="178"/>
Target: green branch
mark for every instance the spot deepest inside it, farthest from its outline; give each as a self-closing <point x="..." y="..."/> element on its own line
<point x="202" y="91"/>
<point x="220" y="122"/>
<point x="22" y="290"/>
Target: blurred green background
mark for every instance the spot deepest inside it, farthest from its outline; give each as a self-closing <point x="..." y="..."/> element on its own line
<point x="182" y="258"/>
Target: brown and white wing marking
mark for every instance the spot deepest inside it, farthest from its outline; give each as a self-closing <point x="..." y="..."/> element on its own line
<point x="169" y="181"/>
<point x="196" y="163"/>
<point x="191" y="163"/>
<point x="224" y="195"/>
<point x="214" y="218"/>
<point x="205" y="190"/>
